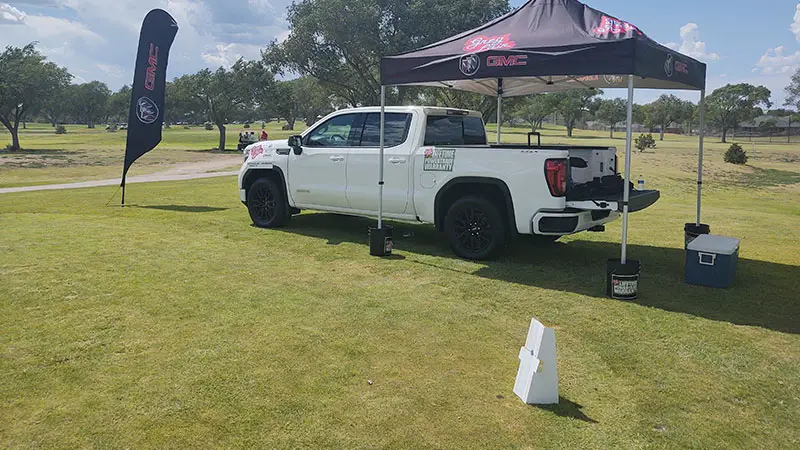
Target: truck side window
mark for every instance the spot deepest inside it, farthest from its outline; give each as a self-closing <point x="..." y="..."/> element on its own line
<point x="455" y="130"/>
<point x="396" y="127"/>
<point x="334" y="132"/>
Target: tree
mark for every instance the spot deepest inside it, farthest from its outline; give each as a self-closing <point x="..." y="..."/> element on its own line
<point x="612" y="111"/>
<point x="533" y="109"/>
<point x="218" y="95"/>
<point x="27" y="80"/>
<point x="56" y="107"/>
<point x="119" y="104"/>
<point x="340" y="42"/>
<point x="793" y="100"/>
<point x="664" y="111"/>
<point x="90" y="102"/>
<point x="768" y="126"/>
<point x="732" y="104"/>
<point x="573" y="104"/>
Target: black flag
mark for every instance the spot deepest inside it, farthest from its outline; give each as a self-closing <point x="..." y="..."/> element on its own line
<point x="149" y="81"/>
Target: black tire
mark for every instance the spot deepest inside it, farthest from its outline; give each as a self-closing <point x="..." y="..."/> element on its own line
<point x="475" y="228"/>
<point x="267" y="204"/>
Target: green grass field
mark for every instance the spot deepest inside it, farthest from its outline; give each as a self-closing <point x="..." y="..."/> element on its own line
<point x="93" y="154"/>
<point x="175" y="323"/>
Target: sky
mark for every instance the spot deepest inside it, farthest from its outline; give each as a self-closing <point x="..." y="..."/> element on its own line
<point x="742" y="41"/>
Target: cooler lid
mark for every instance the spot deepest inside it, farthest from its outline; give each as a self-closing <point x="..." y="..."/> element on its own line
<point x="721" y="245"/>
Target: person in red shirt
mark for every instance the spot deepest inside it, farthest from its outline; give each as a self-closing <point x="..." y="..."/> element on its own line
<point x="264" y="135"/>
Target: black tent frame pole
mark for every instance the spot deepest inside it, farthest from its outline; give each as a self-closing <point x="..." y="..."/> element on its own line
<point x="499" y="108"/>
<point x="702" y="107"/>
<point x="123" y="191"/>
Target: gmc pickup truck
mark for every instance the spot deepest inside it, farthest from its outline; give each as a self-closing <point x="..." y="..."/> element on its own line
<point x="439" y="169"/>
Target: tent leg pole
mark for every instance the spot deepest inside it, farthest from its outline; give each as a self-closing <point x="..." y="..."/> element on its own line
<point x="499" y="108"/>
<point x="380" y="163"/>
<point x="123" y="191"/>
<point x="702" y="107"/>
<point x="627" y="189"/>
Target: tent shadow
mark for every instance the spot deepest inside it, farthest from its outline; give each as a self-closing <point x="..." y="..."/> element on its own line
<point x="181" y="208"/>
<point x="567" y="408"/>
<point x="763" y="293"/>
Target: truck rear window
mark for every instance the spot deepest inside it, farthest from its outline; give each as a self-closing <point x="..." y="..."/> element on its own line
<point x="455" y="130"/>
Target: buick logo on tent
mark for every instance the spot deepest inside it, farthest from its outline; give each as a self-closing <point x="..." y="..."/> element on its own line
<point x="669" y="65"/>
<point x="469" y="64"/>
<point x="146" y="110"/>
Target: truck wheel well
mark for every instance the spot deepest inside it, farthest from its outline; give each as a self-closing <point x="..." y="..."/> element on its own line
<point x="491" y="188"/>
<point x="274" y="174"/>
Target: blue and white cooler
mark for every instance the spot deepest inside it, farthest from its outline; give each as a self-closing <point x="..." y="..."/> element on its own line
<point x="711" y="260"/>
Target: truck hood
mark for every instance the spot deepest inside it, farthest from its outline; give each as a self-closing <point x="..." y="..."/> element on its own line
<point x="263" y="150"/>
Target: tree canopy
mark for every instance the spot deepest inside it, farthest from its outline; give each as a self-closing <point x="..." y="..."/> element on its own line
<point x="734" y="103"/>
<point x="612" y="111"/>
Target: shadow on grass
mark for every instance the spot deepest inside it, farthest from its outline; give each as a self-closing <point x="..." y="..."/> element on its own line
<point x="181" y="208"/>
<point x="763" y="294"/>
<point x="567" y="408"/>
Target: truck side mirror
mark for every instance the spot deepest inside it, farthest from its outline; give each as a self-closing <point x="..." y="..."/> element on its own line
<point x="296" y="142"/>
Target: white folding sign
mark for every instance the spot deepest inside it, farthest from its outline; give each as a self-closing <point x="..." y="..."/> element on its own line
<point x="537" y="377"/>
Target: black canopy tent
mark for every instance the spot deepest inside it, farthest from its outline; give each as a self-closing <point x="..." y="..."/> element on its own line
<point x="548" y="46"/>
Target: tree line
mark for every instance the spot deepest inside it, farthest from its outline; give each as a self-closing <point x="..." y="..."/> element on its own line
<point x="332" y="56"/>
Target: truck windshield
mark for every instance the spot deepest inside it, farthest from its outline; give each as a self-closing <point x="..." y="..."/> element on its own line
<point x="455" y="130"/>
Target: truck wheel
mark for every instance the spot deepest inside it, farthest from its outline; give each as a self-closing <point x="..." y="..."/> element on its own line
<point x="475" y="228"/>
<point x="266" y="204"/>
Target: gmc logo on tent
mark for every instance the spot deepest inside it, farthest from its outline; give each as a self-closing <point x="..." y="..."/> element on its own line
<point x="507" y="61"/>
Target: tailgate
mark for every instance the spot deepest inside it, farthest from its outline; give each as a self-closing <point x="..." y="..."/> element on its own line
<point x="638" y="201"/>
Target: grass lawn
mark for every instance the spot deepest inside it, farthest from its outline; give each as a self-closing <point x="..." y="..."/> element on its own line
<point x="93" y="154"/>
<point x="175" y="323"/>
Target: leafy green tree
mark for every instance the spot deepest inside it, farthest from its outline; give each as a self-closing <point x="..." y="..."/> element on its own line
<point x="218" y="95"/>
<point x="27" y="81"/>
<point x="56" y="107"/>
<point x="735" y="103"/>
<point x="90" y="102"/>
<point x="792" y="100"/>
<point x="573" y="104"/>
<point x="119" y="104"/>
<point x="533" y="109"/>
<point x="340" y="42"/>
<point x="662" y="112"/>
<point x="612" y="111"/>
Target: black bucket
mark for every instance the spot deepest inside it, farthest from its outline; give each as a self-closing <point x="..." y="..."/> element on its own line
<point x="692" y="230"/>
<point x="622" y="280"/>
<point x="380" y="241"/>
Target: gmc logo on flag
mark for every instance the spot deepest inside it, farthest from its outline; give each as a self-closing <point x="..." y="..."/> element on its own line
<point x="150" y="78"/>
<point x="507" y="61"/>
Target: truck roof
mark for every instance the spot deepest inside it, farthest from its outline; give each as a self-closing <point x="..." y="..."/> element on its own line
<point x="428" y="110"/>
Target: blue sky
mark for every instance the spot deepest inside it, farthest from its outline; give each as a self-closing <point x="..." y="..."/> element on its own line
<point x="756" y="42"/>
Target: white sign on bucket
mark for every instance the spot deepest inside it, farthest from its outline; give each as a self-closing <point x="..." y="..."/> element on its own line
<point x="537" y="377"/>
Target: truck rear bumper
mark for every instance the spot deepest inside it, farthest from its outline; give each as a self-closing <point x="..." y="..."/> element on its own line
<point x="570" y="221"/>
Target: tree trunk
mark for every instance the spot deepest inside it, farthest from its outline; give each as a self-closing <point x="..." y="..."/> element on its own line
<point x="662" y="134"/>
<point x="724" y="135"/>
<point x="24" y="124"/>
<point x="15" y="138"/>
<point x="789" y="131"/>
<point x="53" y="122"/>
<point x="90" y="125"/>
<point x="221" y="127"/>
<point x="611" y="131"/>
<point x="569" y="130"/>
<point x="290" y="122"/>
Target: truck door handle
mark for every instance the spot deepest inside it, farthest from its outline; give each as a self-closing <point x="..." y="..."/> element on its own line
<point x="337" y="158"/>
<point x="397" y="160"/>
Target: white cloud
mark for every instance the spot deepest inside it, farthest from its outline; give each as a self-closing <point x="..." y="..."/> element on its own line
<point x="776" y="61"/>
<point x="795" y="26"/>
<point x="226" y="54"/>
<point x="691" y="45"/>
<point x="9" y="14"/>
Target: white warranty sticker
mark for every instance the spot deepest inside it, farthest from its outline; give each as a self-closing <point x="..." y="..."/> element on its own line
<point x="439" y="159"/>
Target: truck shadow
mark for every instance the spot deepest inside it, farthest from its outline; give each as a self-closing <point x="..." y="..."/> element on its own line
<point x="763" y="294"/>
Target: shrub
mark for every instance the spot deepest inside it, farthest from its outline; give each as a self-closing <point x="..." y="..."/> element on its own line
<point x="736" y="155"/>
<point x="61" y="129"/>
<point x="645" y="141"/>
<point x="209" y="126"/>
<point x="9" y="147"/>
<point x="247" y="125"/>
<point x="111" y="128"/>
<point x="187" y="127"/>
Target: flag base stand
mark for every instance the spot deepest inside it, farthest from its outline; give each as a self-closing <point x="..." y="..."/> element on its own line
<point x="380" y="241"/>
<point x="622" y="280"/>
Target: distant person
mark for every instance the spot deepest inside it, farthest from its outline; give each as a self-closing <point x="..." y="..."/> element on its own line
<point x="264" y="135"/>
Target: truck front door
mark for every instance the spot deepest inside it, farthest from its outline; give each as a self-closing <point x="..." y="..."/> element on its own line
<point x="317" y="176"/>
<point x="362" y="165"/>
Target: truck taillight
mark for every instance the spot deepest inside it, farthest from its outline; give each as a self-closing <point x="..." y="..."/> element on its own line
<point x="555" y="171"/>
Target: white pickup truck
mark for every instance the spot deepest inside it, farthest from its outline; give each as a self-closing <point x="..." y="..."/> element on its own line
<point x="439" y="169"/>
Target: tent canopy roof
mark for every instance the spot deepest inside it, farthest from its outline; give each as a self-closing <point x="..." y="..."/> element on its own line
<point x="546" y="46"/>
